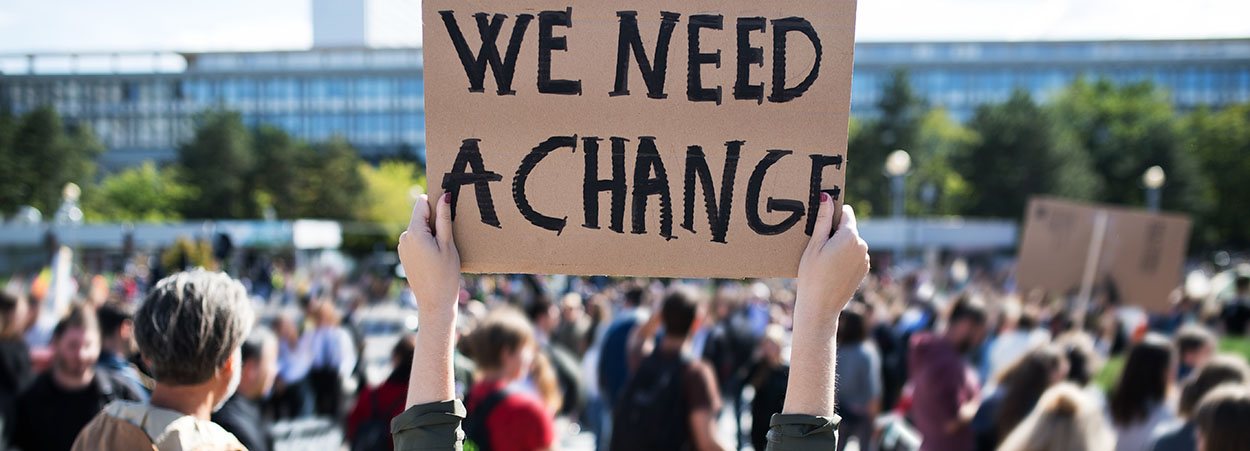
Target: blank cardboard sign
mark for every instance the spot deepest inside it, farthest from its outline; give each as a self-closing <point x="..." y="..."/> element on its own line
<point x="646" y="138"/>
<point x="1139" y="263"/>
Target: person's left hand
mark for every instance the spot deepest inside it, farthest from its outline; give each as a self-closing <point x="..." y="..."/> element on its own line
<point x="430" y="260"/>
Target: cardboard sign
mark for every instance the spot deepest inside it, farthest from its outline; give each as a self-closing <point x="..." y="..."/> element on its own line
<point x="1138" y="262"/>
<point x="636" y="137"/>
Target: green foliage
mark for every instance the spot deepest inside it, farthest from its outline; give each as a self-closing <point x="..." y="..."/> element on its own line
<point x="187" y="254"/>
<point x="39" y="156"/>
<point x="894" y="128"/>
<point x="938" y="143"/>
<point x="328" y="185"/>
<point x="219" y="162"/>
<point x="280" y="160"/>
<point x="1220" y="143"/>
<point x="142" y="193"/>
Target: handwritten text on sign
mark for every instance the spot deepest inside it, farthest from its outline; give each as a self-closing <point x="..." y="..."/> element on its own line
<point x="638" y="137"/>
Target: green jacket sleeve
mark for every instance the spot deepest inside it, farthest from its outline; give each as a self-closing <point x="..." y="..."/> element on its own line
<point x="428" y="427"/>
<point x="802" y="432"/>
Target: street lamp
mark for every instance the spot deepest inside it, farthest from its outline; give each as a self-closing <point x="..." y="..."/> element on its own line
<point x="897" y="164"/>
<point x="1153" y="179"/>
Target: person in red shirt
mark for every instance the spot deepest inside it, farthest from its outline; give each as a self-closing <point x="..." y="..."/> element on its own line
<point x="387" y="400"/>
<point x="504" y="349"/>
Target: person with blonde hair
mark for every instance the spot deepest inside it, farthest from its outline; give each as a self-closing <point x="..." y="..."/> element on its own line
<point x="1065" y="419"/>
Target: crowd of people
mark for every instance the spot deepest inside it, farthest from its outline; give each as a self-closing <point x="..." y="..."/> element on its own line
<point x="928" y="359"/>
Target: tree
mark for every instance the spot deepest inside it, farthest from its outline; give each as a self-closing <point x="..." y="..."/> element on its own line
<point x="896" y="126"/>
<point x="386" y="205"/>
<point x="280" y="160"/>
<point x="40" y="157"/>
<point x="1125" y="129"/>
<point x="1021" y="152"/>
<point x="218" y="162"/>
<point x="330" y="187"/>
<point x="142" y="193"/>
<point x="1220" y="142"/>
<point x="939" y="142"/>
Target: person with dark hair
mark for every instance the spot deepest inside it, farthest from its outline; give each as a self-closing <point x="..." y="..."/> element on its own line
<point x="241" y="414"/>
<point x="671" y="394"/>
<point x="1235" y="315"/>
<point x="613" y="366"/>
<point x="368" y="424"/>
<point x="15" y="362"/>
<point x="1222" y="416"/>
<point x="1139" y="402"/>
<point x="1219" y="370"/>
<point x="942" y="381"/>
<point x="63" y="399"/>
<point x="117" y="344"/>
<point x="1194" y="345"/>
<point x="768" y="376"/>
<point x="830" y="269"/>
<point x="545" y="316"/>
<point x="1017" y="389"/>
<point x="859" y="378"/>
<point x="190" y="329"/>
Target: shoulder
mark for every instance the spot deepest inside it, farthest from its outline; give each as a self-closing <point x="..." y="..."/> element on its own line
<point x="189" y="433"/>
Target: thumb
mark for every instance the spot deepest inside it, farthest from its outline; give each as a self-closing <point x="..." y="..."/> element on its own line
<point x="420" y="215"/>
<point x="442" y="224"/>
<point x="824" y="222"/>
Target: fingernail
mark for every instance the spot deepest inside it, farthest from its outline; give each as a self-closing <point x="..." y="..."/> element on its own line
<point x="824" y="197"/>
<point x="446" y="198"/>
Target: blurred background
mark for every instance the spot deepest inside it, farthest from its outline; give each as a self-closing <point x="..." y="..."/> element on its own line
<point x="283" y="142"/>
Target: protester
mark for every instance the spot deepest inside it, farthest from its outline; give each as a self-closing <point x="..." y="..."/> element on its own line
<point x="117" y="344"/>
<point x="546" y="319"/>
<point x="1018" y="334"/>
<point x="502" y="414"/>
<point x="829" y="272"/>
<point x="1194" y="345"/>
<point x="1017" y="390"/>
<point x="1222" y="416"/>
<point x="241" y="414"/>
<point x="333" y="359"/>
<point x="1065" y="419"/>
<point x="613" y="365"/>
<point x="369" y="423"/>
<point x="1180" y="435"/>
<point x="859" y="379"/>
<point x="1235" y="315"/>
<point x="189" y="329"/>
<point x="1140" y="400"/>
<point x="1083" y="363"/>
<point x="572" y="327"/>
<point x="670" y="394"/>
<point x="15" y="364"/>
<point x="942" y="382"/>
<point x="63" y="399"/>
<point x="293" y="394"/>
<point x="768" y="377"/>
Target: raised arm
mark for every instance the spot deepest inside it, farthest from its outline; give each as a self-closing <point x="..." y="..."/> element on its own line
<point x="432" y="267"/>
<point x="831" y="269"/>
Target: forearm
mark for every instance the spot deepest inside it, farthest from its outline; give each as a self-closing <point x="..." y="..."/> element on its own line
<point x="812" y="363"/>
<point x="432" y="379"/>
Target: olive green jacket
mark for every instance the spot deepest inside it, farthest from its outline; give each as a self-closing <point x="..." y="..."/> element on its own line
<point x="436" y="426"/>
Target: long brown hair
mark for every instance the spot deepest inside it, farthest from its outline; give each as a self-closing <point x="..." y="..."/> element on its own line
<point x="1023" y="383"/>
<point x="1145" y="380"/>
<point x="1222" y="417"/>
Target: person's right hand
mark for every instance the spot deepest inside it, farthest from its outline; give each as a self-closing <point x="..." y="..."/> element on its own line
<point x="832" y="267"/>
<point x="430" y="260"/>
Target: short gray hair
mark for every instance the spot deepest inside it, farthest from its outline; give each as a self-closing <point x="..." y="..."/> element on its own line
<point x="190" y="325"/>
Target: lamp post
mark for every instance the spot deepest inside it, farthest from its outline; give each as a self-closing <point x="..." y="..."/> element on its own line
<point x="897" y="164"/>
<point x="1153" y="180"/>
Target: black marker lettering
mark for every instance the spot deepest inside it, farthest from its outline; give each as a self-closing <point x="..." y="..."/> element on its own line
<point x="652" y="74"/>
<point x="753" y="199"/>
<point x="547" y="43"/>
<point x="781" y="27"/>
<point x="592" y="185"/>
<point x="475" y="67"/>
<point x="470" y="157"/>
<point x="819" y="162"/>
<point x="648" y="161"/>
<point x="747" y="55"/>
<point x="696" y="168"/>
<point x="694" y="77"/>
<point x="522" y="174"/>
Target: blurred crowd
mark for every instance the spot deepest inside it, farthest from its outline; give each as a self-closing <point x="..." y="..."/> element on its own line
<point x="944" y="356"/>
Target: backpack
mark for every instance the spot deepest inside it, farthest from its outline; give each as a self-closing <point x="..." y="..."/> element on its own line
<point x="651" y="413"/>
<point x="374" y="433"/>
<point x="476" y="435"/>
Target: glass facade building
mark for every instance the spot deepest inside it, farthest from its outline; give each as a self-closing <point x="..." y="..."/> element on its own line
<point x="374" y="97"/>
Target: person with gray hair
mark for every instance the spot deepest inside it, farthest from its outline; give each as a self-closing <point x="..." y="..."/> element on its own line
<point x="190" y="329"/>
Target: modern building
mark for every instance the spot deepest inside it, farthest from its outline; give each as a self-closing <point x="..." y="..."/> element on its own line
<point x="143" y="105"/>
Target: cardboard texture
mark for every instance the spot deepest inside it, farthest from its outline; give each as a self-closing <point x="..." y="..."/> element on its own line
<point x="501" y="146"/>
<point x="1139" y="263"/>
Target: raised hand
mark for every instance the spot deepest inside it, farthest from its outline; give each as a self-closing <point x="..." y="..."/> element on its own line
<point x="433" y="270"/>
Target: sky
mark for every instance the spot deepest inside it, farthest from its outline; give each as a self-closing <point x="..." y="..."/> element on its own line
<point x="206" y="25"/>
